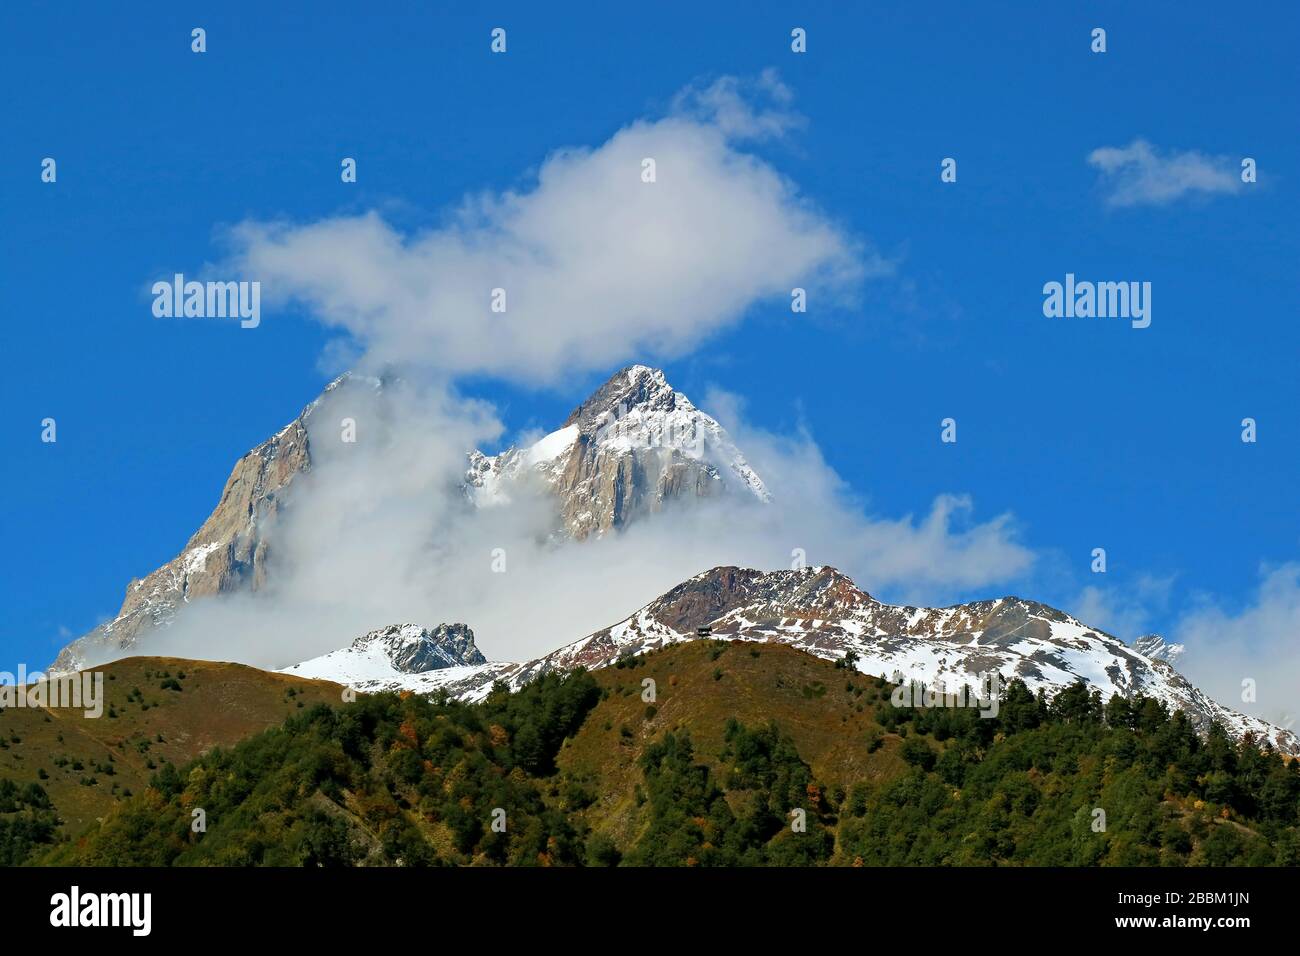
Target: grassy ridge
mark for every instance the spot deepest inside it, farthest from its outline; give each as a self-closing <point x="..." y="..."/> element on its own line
<point x="86" y="765"/>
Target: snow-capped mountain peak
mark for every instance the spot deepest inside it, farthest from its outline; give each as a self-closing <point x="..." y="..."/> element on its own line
<point x="630" y="449"/>
<point x="1156" y="648"/>
<point x="393" y="653"/>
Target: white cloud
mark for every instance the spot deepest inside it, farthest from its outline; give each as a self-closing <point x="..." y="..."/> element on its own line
<point x="1259" y="641"/>
<point x="1137" y="174"/>
<point x="728" y="104"/>
<point x="939" y="556"/>
<point x="1124" y="610"/>
<point x="598" y="266"/>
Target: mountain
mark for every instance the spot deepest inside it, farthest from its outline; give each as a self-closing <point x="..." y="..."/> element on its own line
<point x="632" y="448"/>
<point x="393" y="653"/>
<point x="627" y="451"/>
<point x="1156" y="648"/>
<point x="822" y="611"/>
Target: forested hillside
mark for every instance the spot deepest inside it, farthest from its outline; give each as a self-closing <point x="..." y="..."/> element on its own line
<point x="706" y="754"/>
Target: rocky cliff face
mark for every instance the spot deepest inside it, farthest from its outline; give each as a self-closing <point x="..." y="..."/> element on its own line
<point x="395" y="653"/>
<point x="227" y="553"/>
<point x="628" y="451"/>
<point x="1156" y="648"/>
<point x="414" y="649"/>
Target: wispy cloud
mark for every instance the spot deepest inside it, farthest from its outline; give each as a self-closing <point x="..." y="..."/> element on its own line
<point x="742" y="108"/>
<point x="1125" y="610"/>
<point x="1137" y="174"/>
<point x="1259" y="641"/>
<point x="1225" y="643"/>
<point x="939" y="556"/>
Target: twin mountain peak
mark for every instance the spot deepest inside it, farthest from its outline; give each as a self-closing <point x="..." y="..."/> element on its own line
<point x="634" y="448"/>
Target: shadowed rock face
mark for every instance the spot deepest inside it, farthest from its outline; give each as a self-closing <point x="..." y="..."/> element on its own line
<point x="416" y="650"/>
<point x="1157" y="648"/>
<point x="398" y="654"/>
<point x="634" y="387"/>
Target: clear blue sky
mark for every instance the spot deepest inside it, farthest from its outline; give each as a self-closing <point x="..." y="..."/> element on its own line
<point x="1091" y="433"/>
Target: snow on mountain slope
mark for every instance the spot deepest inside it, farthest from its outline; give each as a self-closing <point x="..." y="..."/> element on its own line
<point x="627" y="451"/>
<point x="1156" y="648"/>
<point x="821" y="611"/>
<point x="396" y="654"/>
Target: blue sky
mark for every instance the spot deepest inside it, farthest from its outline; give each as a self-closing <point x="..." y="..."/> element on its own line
<point x="1090" y="433"/>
